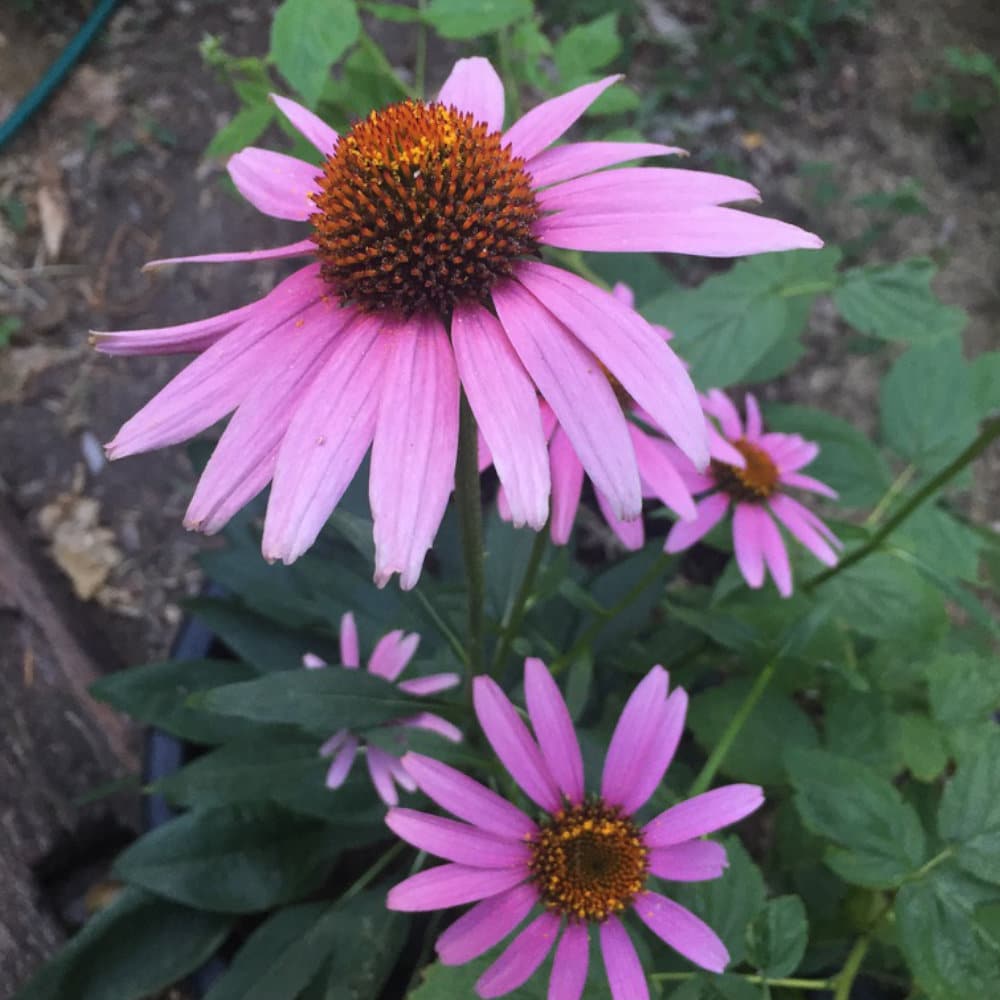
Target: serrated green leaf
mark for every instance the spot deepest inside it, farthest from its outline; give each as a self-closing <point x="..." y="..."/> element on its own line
<point x="860" y="726"/>
<point x="241" y="130"/>
<point x="777" y="937"/>
<point x="964" y="688"/>
<point x="941" y="542"/>
<point x="472" y="18"/>
<point x="586" y="48"/>
<point x="969" y="815"/>
<point x="986" y="383"/>
<point x="392" y="12"/>
<point x="922" y="746"/>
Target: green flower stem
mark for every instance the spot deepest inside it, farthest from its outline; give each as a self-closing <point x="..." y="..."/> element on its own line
<point x="707" y="773"/>
<point x="442" y="626"/>
<point x="990" y="431"/>
<point x="787" y="984"/>
<point x="512" y="623"/>
<point x="898" y="485"/>
<point x="470" y="516"/>
<point x="376" y="869"/>
<point x="609" y="614"/>
<point x="808" y="288"/>
<point x="844" y="980"/>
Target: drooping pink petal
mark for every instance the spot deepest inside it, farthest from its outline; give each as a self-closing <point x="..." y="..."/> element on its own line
<point x="572" y="383"/>
<point x="710" y="512"/>
<point x="434" y="724"/>
<point x="790" y="452"/>
<point x="682" y="930"/>
<point x="625" y="975"/>
<point x="326" y="441"/>
<point x="392" y="653"/>
<point x="567" y="485"/>
<point x="755" y="423"/>
<point x="624" y="294"/>
<point x="721" y="450"/>
<point x="632" y="534"/>
<point x="400" y="776"/>
<point x="335" y="742"/>
<point x="638" y="189"/>
<point x="775" y="554"/>
<point x="312" y="662"/>
<point x="632" y="351"/>
<point x="341" y="764"/>
<point x="691" y="861"/>
<point x="660" y="475"/>
<point x="473" y="86"/>
<point x="298" y="249"/>
<point x="804" y="526"/>
<point x="561" y="163"/>
<point x="703" y="814"/>
<point x="467" y="799"/>
<point x="311" y="126"/>
<point x="659" y="753"/>
<point x="350" y="649"/>
<point x="277" y="185"/>
<point x="513" y="744"/>
<point x="415" y="447"/>
<point x="550" y="719"/>
<point x="569" y="967"/>
<point x="458" y="842"/>
<point x="640" y="722"/>
<point x="720" y="406"/>
<point x="520" y="958"/>
<point x="486" y="924"/>
<point x="802" y="482"/>
<point x="430" y="684"/>
<point x="749" y="531"/>
<point x="505" y="404"/>
<point x="706" y="231"/>
<point x="380" y="769"/>
<point x="450" y="885"/>
<point x="544" y="123"/>
<point x="694" y="481"/>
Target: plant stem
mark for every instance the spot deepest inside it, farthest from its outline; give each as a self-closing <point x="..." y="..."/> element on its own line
<point x="512" y="622"/>
<point x="442" y="626"/>
<point x="602" y="619"/>
<point x="898" y="485"/>
<point x="845" y="978"/>
<point x="376" y="869"/>
<point x="718" y="755"/>
<point x="788" y="984"/>
<point x="990" y="431"/>
<point x="470" y="516"/>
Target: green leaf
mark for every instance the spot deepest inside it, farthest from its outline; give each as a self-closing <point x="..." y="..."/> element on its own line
<point x="927" y="411"/>
<point x="241" y="130"/>
<point x="922" y="745"/>
<point x="308" y="37"/>
<point x="705" y="987"/>
<point x="586" y="48"/>
<point x="472" y="18"/>
<point x="392" y="12"/>
<point x="319" y="701"/>
<point x="236" y="859"/>
<point x="877" y="837"/>
<point x="941" y="542"/>
<point x="859" y="725"/>
<point x="137" y="947"/>
<point x="963" y="688"/>
<point x="757" y="752"/>
<point x="986" y="383"/>
<point x="776" y="940"/>
<point x="896" y="302"/>
<point x="847" y="460"/>
<point x="947" y="939"/>
<point x="969" y="815"/>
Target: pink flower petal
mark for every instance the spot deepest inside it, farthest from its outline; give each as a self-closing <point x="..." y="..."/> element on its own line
<point x="632" y="351"/>
<point x="520" y="958"/>
<point x="775" y="554"/>
<point x="326" y="441"/>
<point x="434" y="724"/>
<point x="550" y="719"/>
<point x="639" y="724"/>
<point x="277" y="185"/>
<point x="543" y="124"/>
<point x="569" y="967"/>
<point x="392" y="653"/>
<point x="350" y="650"/>
<point x="430" y="684"/>
<point x="703" y="814"/>
<point x="561" y="163"/>
<point x="748" y="542"/>
<point x="275" y="253"/>
<point x="311" y="126"/>
<point x="467" y="799"/>
<point x="503" y="398"/>
<point x="755" y="423"/>
<point x="632" y="534"/>
<point x="485" y="925"/>
<point x="567" y="485"/>
<point x="801" y="482"/>
<point x="710" y="512"/>
<point x="625" y="975"/>
<point x="721" y="450"/>
<point x="623" y="294"/>
<point x="341" y="764"/>
<point x="659" y="752"/>
<point x="571" y="381"/>
<point x="691" y="861"/>
<point x="513" y="744"/>
<point x="416" y="444"/>
<point x="720" y="406"/>
<point x="639" y="189"/>
<point x="380" y="769"/>
<point x="473" y="86"/>
<point x="335" y="742"/>
<point x="450" y="885"/>
<point x="659" y="473"/>
<point x="458" y="842"/>
<point x="682" y="930"/>
<point x="400" y="776"/>
<point x="312" y="662"/>
<point x="706" y="231"/>
<point x="804" y="526"/>
<point x="789" y="452"/>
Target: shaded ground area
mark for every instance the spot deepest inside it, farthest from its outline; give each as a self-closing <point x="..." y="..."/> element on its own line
<point x="110" y="175"/>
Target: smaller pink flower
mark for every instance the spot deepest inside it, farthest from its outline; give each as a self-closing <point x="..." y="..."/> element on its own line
<point x="586" y="863"/>
<point x="757" y="492"/>
<point x="389" y="659"/>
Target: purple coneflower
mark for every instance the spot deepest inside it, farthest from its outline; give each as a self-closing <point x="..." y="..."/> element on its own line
<point x="586" y="862"/>
<point x="756" y="490"/>
<point x="390" y="657"/>
<point x="426" y="221"/>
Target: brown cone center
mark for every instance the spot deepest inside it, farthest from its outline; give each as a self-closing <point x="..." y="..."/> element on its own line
<point x="754" y="483"/>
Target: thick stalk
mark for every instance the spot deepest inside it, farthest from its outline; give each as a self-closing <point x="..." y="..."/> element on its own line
<point x="786" y="984"/>
<point x="470" y="517"/>
<point x="512" y="623"/>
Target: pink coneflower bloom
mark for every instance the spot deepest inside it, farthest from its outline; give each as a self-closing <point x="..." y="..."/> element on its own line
<point x="757" y="490"/>
<point x="586" y="862"/>
<point x="390" y="657"/>
<point x="425" y="222"/>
